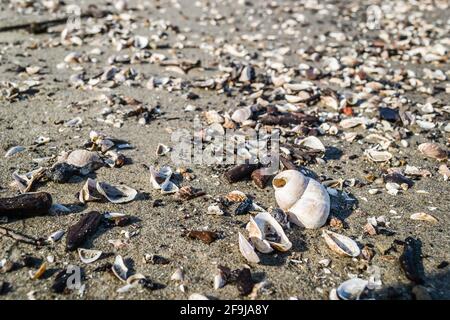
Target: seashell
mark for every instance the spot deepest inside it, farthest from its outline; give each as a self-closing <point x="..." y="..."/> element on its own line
<point x="162" y="149"/>
<point x="236" y="196"/>
<point x="178" y="275"/>
<point x="81" y="158"/>
<point x="306" y="201"/>
<point x="378" y="156"/>
<point x="266" y="233"/>
<point x="221" y="276"/>
<point x="88" y="256"/>
<point x="215" y="210"/>
<point x="116" y="194"/>
<point x="14" y="150"/>
<point x="56" y="236"/>
<point x="25" y="182"/>
<point x="433" y="150"/>
<point x="212" y="116"/>
<point x="140" y="42"/>
<point x="425" y="125"/>
<point x="247" y="74"/>
<point x="247" y="250"/>
<point x="312" y="142"/>
<point x="351" y="289"/>
<point x="341" y="244"/>
<point x="352" y="122"/>
<point x="161" y="180"/>
<point x="39" y="272"/>
<point x="89" y="191"/>
<point x="242" y="114"/>
<point x="119" y="269"/>
<point x="444" y="171"/>
<point x="169" y="187"/>
<point x="198" y="296"/>
<point x="75" y="122"/>
<point x="41" y="140"/>
<point x="423" y="216"/>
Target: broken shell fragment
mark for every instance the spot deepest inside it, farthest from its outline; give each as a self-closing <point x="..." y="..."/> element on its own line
<point x="162" y="149"/>
<point x="341" y="244"/>
<point x="247" y="250"/>
<point x="378" y="156"/>
<point x="56" y="236"/>
<point x="88" y="256"/>
<point x="433" y="150"/>
<point x="304" y="199"/>
<point x="352" y="289"/>
<point x="14" y="150"/>
<point x="89" y="191"/>
<point x="313" y="143"/>
<point x="423" y="216"/>
<point x="116" y="194"/>
<point x="119" y="269"/>
<point x="215" y="210"/>
<point x="178" y="275"/>
<point x="265" y="229"/>
<point x="236" y="196"/>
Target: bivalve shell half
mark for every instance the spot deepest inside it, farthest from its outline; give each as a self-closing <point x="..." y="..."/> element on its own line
<point x="116" y="194"/>
<point x="378" y="156"/>
<point x="341" y="244"/>
<point x="88" y="256"/>
<point x="242" y="114"/>
<point x="119" y="269"/>
<point x="423" y="216"/>
<point x="313" y="143"/>
<point x="81" y="158"/>
<point x="351" y="289"/>
<point x="433" y="150"/>
<point x="247" y="250"/>
<point x="265" y="229"/>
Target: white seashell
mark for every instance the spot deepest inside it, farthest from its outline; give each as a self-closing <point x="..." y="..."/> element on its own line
<point x="242" y="114"/>
<point x="157" y="178"/>
<point x="119" y="269"/>
<point x="213" y="116"/>
<point x="426" y="125"/>
<point x="378" y="156"/>
<point x="433" y="150"/>
<point x="116" y="194"/>
<point x="215" y="210"/>
<point x="198" y="296"/>
<point x="169" y="187"/>
<point x="219" y="280"/>
<point x="81" y="158"/>
<point x="162" y="149"/>
<point x="75" y="122"/>
<point x="351" y="289"/>
<point x="247" y="250"/>
<point x="444" y="171"/>
<point x="423" y="217"/>
<point x="352" y="122"/>
<point x="140" y="42"/>
<point x="24" y="182"/>
<point x="178" y="275"/>
<point x="305" y="200"/>
<point x="14" y="150"/>
<point x="56" y="236"/>
<point x="261" y="228"/>
<point x="312" y="142"/>
<point x="341" y="244"/>
<point x="89" y="191"/>
<point x="88" y="256"/>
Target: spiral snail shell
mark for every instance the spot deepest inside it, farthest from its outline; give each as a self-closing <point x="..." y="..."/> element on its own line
<point x="305" y="200"/>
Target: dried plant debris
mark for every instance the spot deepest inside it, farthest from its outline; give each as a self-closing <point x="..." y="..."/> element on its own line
<point x="346" y="131"/>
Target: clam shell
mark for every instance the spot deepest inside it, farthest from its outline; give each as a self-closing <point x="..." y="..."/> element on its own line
<point x="157" y="178"/>
<point x="116" y="194"/>
<point x="433" y="150"/>
<point x="198" y="296"/>
<point x="89" y="191"/>
<point x="88" y="256"/>
<point x="444" y="171"/>
<point x="215" y="210"/>
<point x="423" y="216"/>
<point x="247" y="250"/>
<point x="312" y="142"/>
<point x="351" y="289"/>
<point x="260" y="227"/>
<point x="352" y="122"/>
<point x="213" y="116"/>
<point x="242" y="114"/>
<point x="119" y="269"/>
<point x="81" y="158"/>
<point x="236" y="196"/>
<point x="378" y="156"/>
<point x="341" y="244"/>
<point x="14" y="150"/>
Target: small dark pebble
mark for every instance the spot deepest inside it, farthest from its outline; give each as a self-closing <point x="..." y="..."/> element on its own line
<point x="155" y="259"/>
<point x="4" y="288"/>
<point x="411" y="260"/>
<point x="158" y="203"/>
<point x="244" y="281"/>
<point x="442" y="265"/>
<point x="104" y="267"/>
<point x="389" y="114"/>
<point x="62" y="172"/>
<point x="31" y="262"/>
